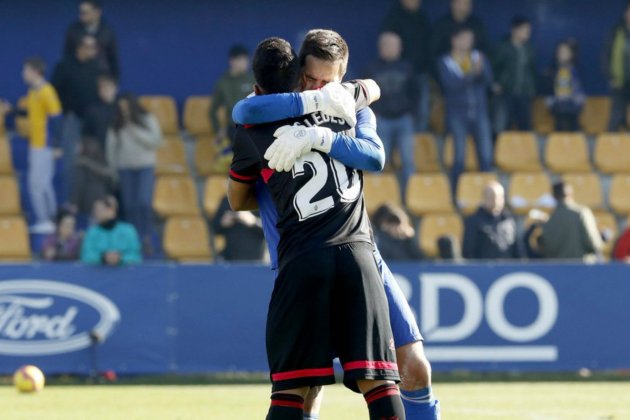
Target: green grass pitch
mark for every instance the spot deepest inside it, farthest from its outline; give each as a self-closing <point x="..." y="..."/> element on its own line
<point x="468" y="401"/>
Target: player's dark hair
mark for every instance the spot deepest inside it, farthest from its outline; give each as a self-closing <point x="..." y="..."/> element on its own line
<point x="238" y="50"/>
<point x="36" y="63"/>
<point x="137" y="112"/>
<point x="97" y="4"/>
<point x="275" y="66"/>
<point x="326" y="45"/>
<point x="520" y="20"/>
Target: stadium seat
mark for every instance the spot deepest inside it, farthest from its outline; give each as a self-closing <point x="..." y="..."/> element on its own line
<point x="595" y="114"/>
<point x="619" y="195"/>
<point x="607" y="224"/>
<point x="434" y="226"/>
<point x="6" y="164"/>
<point x="517" y="151"/>
<point x="587" y="189"/>
<point x="206" y="154"/>
<point x="164" y="109"/>
<point x="567" y="152"/>
<point x="470" y="190"/>
<point x="612" y="152"/>
<point x="214" y="192"/>
<point x="428" y="193"/>
<point x="186" y="239"/>
<point x="437" y="121"/>
<point x="9" y="197"/>
<point x="175" y="195"/>
<point x="529" y="190"/>
<point x="171" y="157"/>
<point x="14" y="240"/>
<point x="426" y="153"/>
<point x="380" y="189"/>
<point x="197" y="116"/>
<point x="471" y="154"/>
<point x="542" y="118"/>
<point x="21" y="123"/>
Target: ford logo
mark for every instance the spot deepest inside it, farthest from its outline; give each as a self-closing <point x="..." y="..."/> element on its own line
<point x="40" y="317"/>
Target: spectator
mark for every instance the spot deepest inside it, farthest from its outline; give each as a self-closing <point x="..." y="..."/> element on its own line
<point x="490" y="233"/>
<point x="110" y="241"/>
<point x="571" y="232"/>
<point x="244" y="239"/>
<point x="91" y="23"/>
<point x="466" y="75"/>
<point x="233" y="86"/>
<point x="43" y="111"/>
<point x="132" y="145"/>
<point x="65" y="243"/>
<point x="618" y="70"/>
<point x="515" y="71"/>
<point x="621" y="251"/>
<point x="396" y="106"/>
<point x="568" y="97"/>
<point x="100" y="116"/>
<point x="406" y="19"/>
<point x="395" y="235"/>
<point x="460" y="14"/>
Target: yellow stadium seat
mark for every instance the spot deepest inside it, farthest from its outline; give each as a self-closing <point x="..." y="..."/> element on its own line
<point x="429" y="193"/>
<point x="21" y="123"/>
<point x="595" y="115"/>
<point x="164" y="109"/>
<point x="517" y="151"/>
<point x="14" y="240"/>
<point x="175" y="195"/>
<point x="470" y="190"/>
<point x="426" y="153"/>
<point x="9" y="197"/>
<point x="171" y="157"/>
<point x="612" y="152"/>
<point x="587" y="188"/>
<point x="567" y="152"/>
<point x="6" y="165"/>
<point x="214" y="192"/>
<point x="434" y="226"/>
<point x="196" y="115"/>
<point x="186" y="239"/>
<point x="471" y="163"/>
<point x="607" y="223"/>
<point x="529" y="190"/>
<point x="380" y="189"/>
<point x="619" y="195"/>
<point x="206" y="154"/>
<point x="542" y="118"/>
<point x="437" y="122"/>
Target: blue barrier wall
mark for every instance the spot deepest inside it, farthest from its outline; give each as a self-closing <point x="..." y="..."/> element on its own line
<point x="184" y="319"/>
<point x="178" y="47"/>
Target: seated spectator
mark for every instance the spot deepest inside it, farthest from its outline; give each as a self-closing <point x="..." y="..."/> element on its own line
<point x="244" y="239"/>
<point x="621" y="252"/>
<point x="399" y="97"/>
<point x="110" y="241"/>
<point x="571" y="232"/>
<point x="395" y="236"/>
<point x="568" y="97"/>
<point x="132" y="144"/>
<point x="491" y="233"/>
<point x="65" y="243"/>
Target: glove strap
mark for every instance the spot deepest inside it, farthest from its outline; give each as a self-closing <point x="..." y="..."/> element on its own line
<point x="312" y="101"/>
<point x="323" y="139"/>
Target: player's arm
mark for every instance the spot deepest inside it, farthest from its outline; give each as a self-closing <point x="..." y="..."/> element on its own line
<point x="244" y="172"/>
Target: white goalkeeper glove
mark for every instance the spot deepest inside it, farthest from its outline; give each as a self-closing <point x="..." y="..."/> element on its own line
<point x="293" y="141"/>
<point x="333" y="99"/>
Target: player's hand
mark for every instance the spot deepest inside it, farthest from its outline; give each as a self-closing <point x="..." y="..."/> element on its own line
<point x="334" y="100"/>
<point x="293" y="141"/>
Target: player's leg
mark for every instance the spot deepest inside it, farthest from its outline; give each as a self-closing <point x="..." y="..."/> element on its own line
<point x="287" y="404"/>
<point x="313" y="403"/>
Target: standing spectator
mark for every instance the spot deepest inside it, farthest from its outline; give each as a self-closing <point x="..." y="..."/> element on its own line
<point x="395" y="236"/>
<point x="571" y="231"/>
<point x="466" y="76"/>
<point x="65" y="243"/>
<point x="621" y="251"/>
<point x="110" y="241"/>
<point x="100" y="116"/>
<point x="490" y="233"/>
<point x="568" y="97"/>
<point x="234" y="85"/>
<point x="396" y="106"/>
<point x="244" y="239"/>
<point x="43" y="111"/>
<point x="132" y="145"/>
<point x="406" y="19"/>
<point x="515" y="71"/>
<point x="618" y="70"/>
<point x="91" y="23"/>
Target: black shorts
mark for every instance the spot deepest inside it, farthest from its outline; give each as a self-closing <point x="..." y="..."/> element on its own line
<point x="330" y="302"/>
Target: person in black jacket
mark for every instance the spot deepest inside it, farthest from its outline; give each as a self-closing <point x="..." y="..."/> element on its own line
<point x="394" y="234"/>
<point x="91" y="23"/>
<point x="490" y="233"/>
<point x="244" y="239"/>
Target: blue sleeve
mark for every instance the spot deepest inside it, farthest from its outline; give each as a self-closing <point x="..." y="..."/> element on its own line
<point x="365" y="151"/>
<point x="261" y="109"/>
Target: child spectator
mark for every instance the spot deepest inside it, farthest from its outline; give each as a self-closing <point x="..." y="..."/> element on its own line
<point x="65" y="243"/>
<point x="568" y="97"/>
<point x="244" y="239"/>
<point x="394" y="234"/>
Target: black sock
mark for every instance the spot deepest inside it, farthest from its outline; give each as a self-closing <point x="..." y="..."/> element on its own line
<point x="286" y="407"/>
<point x="384" y="403"/>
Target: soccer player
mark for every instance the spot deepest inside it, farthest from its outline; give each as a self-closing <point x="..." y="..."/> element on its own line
<point x="318" y="61"/>
<point x="328" y="297"/>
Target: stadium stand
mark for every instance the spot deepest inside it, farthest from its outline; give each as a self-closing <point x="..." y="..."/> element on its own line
<point x="426" y="153"/>
<point x="428" y="193"/>
<point x="595" y="115"/>
<point x="171" y="157"/>
<point x="214" y="191"/>
<point x="9" y="197"/>
<point x="541" y="117"/>
<point x="567" y="152"/>
<point x="186" y="239"/>
<point x="470" y="190"/>
<point x="437" y="119"/>
<point x="587" y="189"/>
<point x="607" y="223"/>
<point x="175" y="195"/>
<point x="619" y="195"/>
<point x="6" y="164"/>
<point x="380" y="189"/>
<point x="196" y="121"/>
<point x="471" y="154"/>
<point x="435" y="226"/>
<point x="165" y="110"/>
<point x="14" y="240"/>
<point x="612" y="152"/>
<point x="206" y="154"/>
<point x="528" y="190"/>
<point x="517" y="151"/>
